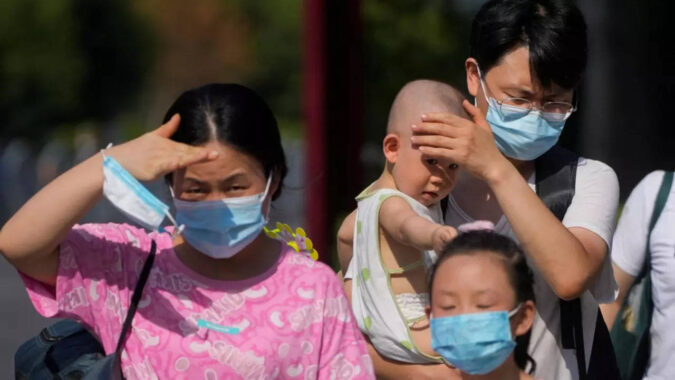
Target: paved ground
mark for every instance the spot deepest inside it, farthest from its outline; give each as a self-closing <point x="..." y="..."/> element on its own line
<point x="18" y="319"/>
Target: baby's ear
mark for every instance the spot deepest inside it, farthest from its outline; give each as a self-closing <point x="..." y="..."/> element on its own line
<point x="390" y="146"/>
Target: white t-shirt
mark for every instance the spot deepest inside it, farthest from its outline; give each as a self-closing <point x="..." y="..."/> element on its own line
<point x="629" y="251"/>
<point x="594" y="208"/>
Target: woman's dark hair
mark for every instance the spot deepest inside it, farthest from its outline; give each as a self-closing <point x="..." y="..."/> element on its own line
<point x="517" y="270"/>
<point x="234" y="115"/>
<point x="553" y="30"/>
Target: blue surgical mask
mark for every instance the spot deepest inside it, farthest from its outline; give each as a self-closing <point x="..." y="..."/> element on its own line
<point x="521" y="137"/>
<point x="222" y="228"/>
<point x="475" y="343"/>
<point x="131" y="197"/>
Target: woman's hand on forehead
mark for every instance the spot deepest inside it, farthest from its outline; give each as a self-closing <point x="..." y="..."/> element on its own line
<point x="154" y="154"/>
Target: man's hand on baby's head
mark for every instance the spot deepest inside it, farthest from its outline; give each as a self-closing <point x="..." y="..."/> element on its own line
<point x="441" y="236"/>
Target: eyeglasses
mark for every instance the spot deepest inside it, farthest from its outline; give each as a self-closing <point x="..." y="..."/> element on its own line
<point x="515" y="108"/>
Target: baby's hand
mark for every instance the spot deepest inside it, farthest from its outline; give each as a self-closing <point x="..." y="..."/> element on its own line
<point x="441" y="237"/>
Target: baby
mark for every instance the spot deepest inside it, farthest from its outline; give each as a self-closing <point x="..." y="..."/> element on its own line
<point x="396" y="229"/>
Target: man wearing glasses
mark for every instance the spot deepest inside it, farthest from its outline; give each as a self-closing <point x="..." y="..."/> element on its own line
<point x="526" y="59"/>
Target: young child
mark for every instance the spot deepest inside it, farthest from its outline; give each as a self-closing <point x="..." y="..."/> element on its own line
<point x="481" y="297"/>
<point x="396" y="228"/>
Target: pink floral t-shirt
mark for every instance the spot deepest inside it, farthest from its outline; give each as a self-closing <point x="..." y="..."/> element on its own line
<point x="291" y="322"/>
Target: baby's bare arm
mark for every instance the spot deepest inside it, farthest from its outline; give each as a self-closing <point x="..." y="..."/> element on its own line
<point x="402" y="223"/>
<point x="345" y="241"/>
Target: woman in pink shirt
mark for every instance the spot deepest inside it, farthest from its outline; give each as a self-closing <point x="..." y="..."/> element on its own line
<point x="222" y="300"/>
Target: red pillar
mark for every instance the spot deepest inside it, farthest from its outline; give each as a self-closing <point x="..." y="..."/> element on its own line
<point x="314" y="62"/>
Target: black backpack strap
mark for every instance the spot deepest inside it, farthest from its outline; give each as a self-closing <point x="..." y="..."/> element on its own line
<point x="572" y="332"/>
<point x="556" y="174"/>
<point x="661" y="199"/>
<point x="135" y="298"/>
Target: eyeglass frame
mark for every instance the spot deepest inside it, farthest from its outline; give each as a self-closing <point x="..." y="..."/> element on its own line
<point x="573" y="107"/>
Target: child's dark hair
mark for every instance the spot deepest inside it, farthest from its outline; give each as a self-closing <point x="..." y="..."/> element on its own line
<point x="518" y="272"/>
<point x="234" y="115"/>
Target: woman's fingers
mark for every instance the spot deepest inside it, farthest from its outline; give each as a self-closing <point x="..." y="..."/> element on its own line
<point x="167" y="129"/>
<point x="169" y="156"/>
<point x="154" y="154"/>
<point x="186" y="155"/>
<point x="197" y="155"/>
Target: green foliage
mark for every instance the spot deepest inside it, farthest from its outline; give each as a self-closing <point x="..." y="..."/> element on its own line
<point x="64" y="61"/>
<point x="406" y="40"/>
<point x="276" y="41"/>
<point x="41" y="65"/>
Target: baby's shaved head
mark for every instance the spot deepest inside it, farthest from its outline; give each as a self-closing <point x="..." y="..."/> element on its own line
<point x="422" y="96"/>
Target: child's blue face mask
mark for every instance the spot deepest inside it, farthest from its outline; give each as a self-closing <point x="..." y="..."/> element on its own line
<point x="222" y="228"/>
<point x="475" y="343"/>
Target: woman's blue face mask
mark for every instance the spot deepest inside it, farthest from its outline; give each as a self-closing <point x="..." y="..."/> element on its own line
<point x="475" y="343"/>
<point x="222" y="228"/>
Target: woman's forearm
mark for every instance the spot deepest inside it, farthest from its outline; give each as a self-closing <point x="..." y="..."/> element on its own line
<point x="30" y="238"/>
<point x="555" y="251"/>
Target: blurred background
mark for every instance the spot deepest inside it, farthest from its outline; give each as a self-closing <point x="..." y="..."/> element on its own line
<point x="78" y="74"/>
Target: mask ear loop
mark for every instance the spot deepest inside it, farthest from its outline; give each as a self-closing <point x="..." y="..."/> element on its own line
<point x="179" y="228"/>
<point x="482" y="85"/>
<point x="515" y="310"/>
<point x="104" y="149"/>
<point x="265" y="194"/>
<point x="267" y="187"/>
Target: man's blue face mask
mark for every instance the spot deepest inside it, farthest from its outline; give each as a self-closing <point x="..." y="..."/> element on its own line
<point x="475" y="343"/>
<point x="520" y="134"/>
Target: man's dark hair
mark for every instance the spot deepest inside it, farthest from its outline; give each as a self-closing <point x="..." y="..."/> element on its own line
<point x="554" y="31"/>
